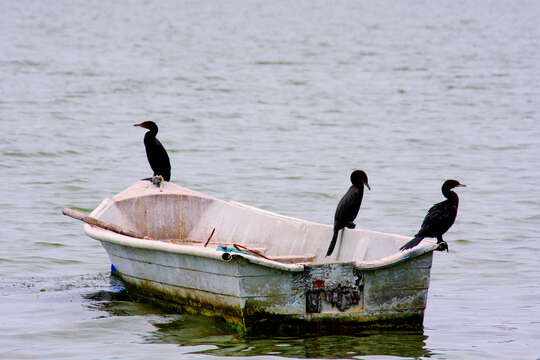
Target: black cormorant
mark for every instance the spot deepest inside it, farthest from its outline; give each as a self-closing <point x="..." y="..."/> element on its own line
<point x="155" y="152"/>
<point x="348" y="206"/>
<point x="439" y="218"/>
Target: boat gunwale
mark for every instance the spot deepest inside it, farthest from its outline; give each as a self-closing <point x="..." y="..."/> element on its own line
<point x="190" y="250"/>
<point x="212" y="253"/>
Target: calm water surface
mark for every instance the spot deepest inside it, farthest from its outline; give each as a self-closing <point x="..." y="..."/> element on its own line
<point x="271" y="104"/>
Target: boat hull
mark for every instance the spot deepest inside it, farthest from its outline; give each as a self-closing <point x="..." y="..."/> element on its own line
<point x="252" y="297"/>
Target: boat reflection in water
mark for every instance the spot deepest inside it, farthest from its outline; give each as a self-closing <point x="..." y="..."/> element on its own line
<point x="212" y="335"/>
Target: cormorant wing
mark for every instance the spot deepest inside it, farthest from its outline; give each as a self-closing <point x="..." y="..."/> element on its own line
<point x="438" y="219"/>
<point x="348" y="206"/>
<point x="158" y="158"/>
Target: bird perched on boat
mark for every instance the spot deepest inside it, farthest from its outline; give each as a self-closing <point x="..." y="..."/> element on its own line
<point x="155" y="152"/>
<point x="439" y="218"/>
<point x="348" y="206"/>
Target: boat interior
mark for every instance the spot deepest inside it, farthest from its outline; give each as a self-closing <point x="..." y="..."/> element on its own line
<point x="178" y="215"/>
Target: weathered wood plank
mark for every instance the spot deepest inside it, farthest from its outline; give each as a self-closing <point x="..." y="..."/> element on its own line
<point x="99" y="223"/>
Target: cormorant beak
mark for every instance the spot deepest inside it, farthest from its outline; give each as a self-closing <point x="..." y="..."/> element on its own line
<point x="461" y="185"/>
<point x="367" y="186"/>
<point x="141" y="125"/>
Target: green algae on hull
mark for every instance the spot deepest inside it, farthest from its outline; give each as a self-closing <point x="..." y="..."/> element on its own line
<point x="252" y="320"/>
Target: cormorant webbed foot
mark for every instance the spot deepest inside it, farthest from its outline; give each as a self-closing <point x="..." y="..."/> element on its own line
<point x="442" y="246"/>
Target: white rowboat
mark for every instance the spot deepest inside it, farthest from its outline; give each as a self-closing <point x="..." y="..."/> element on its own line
<point x="282" y="280"/>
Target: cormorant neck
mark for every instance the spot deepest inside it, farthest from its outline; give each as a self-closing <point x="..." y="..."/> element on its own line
<point x="152" y="131"/>
<point x="359" y="187"/>
<point x="450" y="195"/>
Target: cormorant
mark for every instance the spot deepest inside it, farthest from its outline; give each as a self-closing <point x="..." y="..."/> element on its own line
<point x="439" y="218"/>
<point x="348" y="206"/>
<point x="155" y="152"/>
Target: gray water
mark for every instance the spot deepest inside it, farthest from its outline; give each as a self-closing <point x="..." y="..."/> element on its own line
<point x="271" y="103"/>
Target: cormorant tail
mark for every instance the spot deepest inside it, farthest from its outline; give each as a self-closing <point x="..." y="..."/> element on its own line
<point x="412" y="243"/>
<point x="333" y="242"/>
